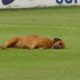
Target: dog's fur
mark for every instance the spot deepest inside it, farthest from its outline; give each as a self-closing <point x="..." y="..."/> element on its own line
<point x="33" y="42"/>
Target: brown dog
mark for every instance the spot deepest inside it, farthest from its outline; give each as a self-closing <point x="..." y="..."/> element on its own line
<point x="34" y="42"/>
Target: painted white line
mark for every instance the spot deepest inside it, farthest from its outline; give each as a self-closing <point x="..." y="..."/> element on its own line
<point x="71" y="28"/>
<point x="8" y="25"/>
<point x="18" y="25"/>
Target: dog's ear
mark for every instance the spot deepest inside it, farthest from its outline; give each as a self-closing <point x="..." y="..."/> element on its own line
<point x="56" y="39"/>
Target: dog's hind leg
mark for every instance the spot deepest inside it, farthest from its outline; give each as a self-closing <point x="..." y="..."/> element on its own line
<point x="10" y="43"/>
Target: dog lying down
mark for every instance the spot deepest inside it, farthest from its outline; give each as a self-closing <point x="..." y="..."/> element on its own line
<point x="33" y="42"/>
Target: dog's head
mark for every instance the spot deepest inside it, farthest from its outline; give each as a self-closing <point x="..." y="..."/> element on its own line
<point x="58" y="43"/>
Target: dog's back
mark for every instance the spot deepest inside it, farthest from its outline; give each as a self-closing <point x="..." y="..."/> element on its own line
<point x="34" y="42"/>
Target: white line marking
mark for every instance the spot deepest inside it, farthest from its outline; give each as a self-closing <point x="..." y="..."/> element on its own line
<point x="18" y="25"/>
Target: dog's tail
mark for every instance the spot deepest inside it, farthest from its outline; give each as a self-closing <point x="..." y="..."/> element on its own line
<point x="1" y="47"/>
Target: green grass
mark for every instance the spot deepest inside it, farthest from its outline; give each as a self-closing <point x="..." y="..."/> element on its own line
<point x="50" y="64"/>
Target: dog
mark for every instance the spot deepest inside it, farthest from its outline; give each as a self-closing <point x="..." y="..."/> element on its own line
<point x="33" y="42"/>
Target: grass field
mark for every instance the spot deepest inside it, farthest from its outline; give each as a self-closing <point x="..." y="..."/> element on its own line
<point x="51" y="64"/>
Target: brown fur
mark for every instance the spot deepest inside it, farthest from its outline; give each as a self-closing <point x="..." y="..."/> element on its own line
<point x="33" y="42"/>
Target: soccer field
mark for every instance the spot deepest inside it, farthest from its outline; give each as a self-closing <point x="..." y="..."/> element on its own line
<point x="40" y="64"/>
